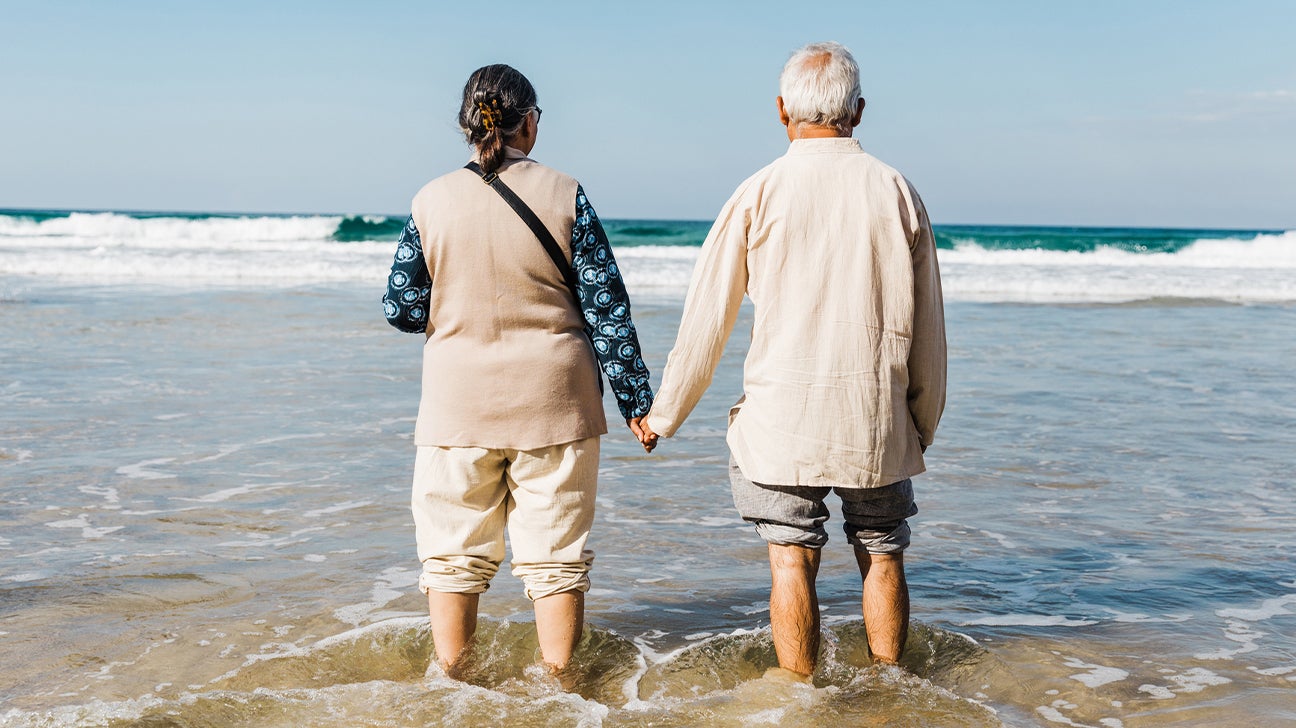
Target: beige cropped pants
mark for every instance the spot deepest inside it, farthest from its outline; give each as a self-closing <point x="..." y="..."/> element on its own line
<point x="465" y="497"/>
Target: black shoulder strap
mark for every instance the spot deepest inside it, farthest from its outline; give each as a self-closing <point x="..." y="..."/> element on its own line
<point x="546" y="239"/>
<point x="533" y="222"/>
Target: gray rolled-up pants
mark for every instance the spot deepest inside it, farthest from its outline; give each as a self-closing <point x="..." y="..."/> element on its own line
<point x="875" y="518"/>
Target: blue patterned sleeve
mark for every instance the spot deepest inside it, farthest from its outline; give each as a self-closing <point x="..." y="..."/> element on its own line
<point x="409" y="286"/>
<point x="606" y="308"/>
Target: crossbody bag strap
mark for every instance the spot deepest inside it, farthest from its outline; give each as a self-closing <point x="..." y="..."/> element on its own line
<point x="541" y="232"/>
<point x="533" y="222"/>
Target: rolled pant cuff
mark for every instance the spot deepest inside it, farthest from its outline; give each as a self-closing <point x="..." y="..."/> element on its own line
<point x="440" y="576"/>
<point x="547" y="589"/>
<point x="781" y="535"/>
<point x="543" y="580"/>
<point x="894" y="542"/>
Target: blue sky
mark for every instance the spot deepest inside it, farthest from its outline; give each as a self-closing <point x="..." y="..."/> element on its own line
<point x="1147" y="113"/>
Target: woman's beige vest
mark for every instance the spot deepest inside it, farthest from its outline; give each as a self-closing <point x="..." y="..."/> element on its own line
<point x="506" y="363"/>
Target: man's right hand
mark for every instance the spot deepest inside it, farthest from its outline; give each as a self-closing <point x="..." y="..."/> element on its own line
<point x="639" y="426"/>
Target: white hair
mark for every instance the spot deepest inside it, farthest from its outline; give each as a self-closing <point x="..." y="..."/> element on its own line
<point x="820" y="85"/>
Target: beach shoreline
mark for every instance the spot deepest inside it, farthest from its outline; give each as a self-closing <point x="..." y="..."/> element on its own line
<point x="197" y="481"/>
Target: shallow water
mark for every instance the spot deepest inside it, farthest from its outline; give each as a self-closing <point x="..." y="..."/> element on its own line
<point x="205" y="523"/>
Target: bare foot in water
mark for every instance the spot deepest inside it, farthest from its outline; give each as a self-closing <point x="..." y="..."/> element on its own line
<point x="455" y="670"/>
<point x="779" y="674"/>
<point x="567" y="676"/>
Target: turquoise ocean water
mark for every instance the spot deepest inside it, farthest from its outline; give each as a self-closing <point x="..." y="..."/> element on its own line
<point x="205" y="452"/>
<point x="1021" y="264"/>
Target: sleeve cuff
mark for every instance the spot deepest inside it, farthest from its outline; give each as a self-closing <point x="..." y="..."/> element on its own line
<point x="661" y="424"/>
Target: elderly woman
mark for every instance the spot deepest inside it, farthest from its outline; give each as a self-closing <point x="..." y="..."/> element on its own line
<point x="518" y="326"/>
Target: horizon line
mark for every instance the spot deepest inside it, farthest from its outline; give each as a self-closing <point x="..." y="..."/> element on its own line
<point x="247" y="214"/>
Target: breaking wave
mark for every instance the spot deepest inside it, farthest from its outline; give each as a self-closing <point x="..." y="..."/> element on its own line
<point x="978" y="263"/>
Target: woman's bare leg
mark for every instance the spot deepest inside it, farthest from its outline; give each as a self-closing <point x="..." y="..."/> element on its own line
<point x="454" y="620"/>
<point x="560" y="619"/>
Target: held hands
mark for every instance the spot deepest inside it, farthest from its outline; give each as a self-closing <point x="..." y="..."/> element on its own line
<point x="639" y="426"/>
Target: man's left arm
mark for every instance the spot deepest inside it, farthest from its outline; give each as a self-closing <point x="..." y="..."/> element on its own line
<point x="927" y="353"/>
<point x="715" y="294"/>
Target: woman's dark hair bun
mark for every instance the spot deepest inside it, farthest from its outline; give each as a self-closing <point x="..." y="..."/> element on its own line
<point x="492" y="111"/>
<point x="483" y="96"/>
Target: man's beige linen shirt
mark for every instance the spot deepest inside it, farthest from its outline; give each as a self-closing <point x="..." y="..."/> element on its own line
<point x="844" y="383"/>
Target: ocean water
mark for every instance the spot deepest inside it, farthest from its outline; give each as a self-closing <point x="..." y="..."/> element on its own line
<point x="205" y="453"/>
<point x="979" y="263"/>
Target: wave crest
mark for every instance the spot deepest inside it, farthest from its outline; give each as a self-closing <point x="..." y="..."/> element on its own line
<point x="91" y="228"/>
<point x="1048" y="265"/>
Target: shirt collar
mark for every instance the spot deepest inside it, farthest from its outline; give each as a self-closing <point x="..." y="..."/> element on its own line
<point x="827" y="145"/>
<point x="510" y="155"/>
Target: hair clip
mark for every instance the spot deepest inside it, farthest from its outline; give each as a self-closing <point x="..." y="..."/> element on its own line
<point x="489" y="115"/>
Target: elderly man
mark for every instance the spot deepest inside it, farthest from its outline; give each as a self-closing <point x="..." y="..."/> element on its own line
<point x="845" y="380"/>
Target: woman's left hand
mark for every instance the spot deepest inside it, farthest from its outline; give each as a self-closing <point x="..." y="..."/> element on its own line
<point x="639" y="426"/>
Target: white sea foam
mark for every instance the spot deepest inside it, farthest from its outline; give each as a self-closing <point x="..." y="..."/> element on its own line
<point x="1267" y="609"/>
<point x="1053" y="715"/>
<point x="82" y="522"/>
<point x="348" y="505"/>
<point x="964" y="530"/>
<point x="1096" y="675"/>
<point x="227" y="493"/>
<point x="116" y="249"/>
<point x="1273" y="671"/>
<point x="1237" y="631"/>
<point x="109" y="228"/>
<point x="1027" y="620"/>
<point x="143" y="471"/>
<point x="392" y="584"/>
<point x="1193" y="680"/>
<point x="282" y="650"/>
<point x="262" y="541"/>
<point x="20" y="456"/>
<point x="1262" y="269"/>
<point x="1135" y="617"/>
<point x="1240" y="626"/>
<point x="1277" y="250"/>
<point x="109" y="494"/>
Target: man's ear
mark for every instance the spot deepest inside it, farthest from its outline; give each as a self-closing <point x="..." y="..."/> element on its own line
<point x="784" y="119"/>
<point x="859" y="113"/>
